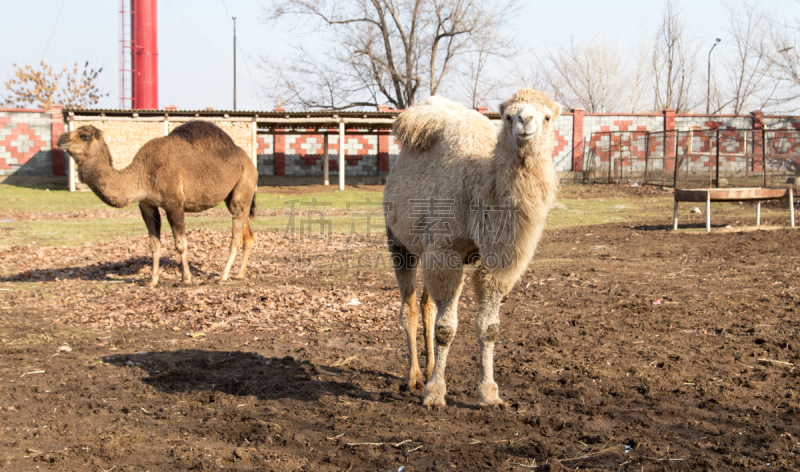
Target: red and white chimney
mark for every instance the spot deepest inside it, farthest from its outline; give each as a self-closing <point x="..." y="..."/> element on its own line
<point x="144" y="45"/>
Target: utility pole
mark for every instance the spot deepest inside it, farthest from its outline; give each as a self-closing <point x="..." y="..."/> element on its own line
<point x="708" y="79"/>
<point x="234" y="63"/>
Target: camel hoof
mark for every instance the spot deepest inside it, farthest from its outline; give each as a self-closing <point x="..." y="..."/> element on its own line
<point x="485" y="405"/>
<point x="186" y="282"/>
<point x="238" y="277"/>
<point x="415" y="380"/>
<point x="435" y="403"/>
<point x="152" y="284"/>
<point x="414" y="385"/>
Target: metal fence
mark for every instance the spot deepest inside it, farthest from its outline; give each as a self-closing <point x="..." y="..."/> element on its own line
<point x="695" y="158"/>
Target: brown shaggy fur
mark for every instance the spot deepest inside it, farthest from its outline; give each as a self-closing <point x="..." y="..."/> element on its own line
<point x="191" y="170"/>
<point x="463" y="192"/>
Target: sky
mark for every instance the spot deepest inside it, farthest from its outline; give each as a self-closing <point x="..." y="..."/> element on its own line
<point x="195" y="39"/>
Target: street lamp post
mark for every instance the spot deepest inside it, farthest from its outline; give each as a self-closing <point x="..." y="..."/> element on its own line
<point x="708" y="79"/>
<point x="234" y="63"/>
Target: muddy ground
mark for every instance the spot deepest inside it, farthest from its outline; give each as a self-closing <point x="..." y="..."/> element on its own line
<point x="622" y="348"/>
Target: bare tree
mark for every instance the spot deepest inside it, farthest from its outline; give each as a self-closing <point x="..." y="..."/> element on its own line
<point x="536" y="74"/>
<point x="784" y="58"/>
<point x="384" y="50"/>
<point x="751" y="81"/>
<point x="638" y="78"/>
<point x="674" y="61"/>
<point x="590" y="75"/>
<point x="41" y="87"/>
<point x="481" y="76"/>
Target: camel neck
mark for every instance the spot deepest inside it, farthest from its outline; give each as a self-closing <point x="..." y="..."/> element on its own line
<point x="529" y="179"/>
<point x="529" y="183"/>
<point x="117" y="188"/>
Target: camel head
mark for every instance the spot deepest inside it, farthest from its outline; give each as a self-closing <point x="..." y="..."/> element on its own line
<point x="529" y="118"/>
<point x="82" y="143"/>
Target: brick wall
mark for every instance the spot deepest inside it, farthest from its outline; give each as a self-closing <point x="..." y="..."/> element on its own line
<point x="596" y="124"/>
<point x="303" y="154"/>
<point x="27" y="137"/>
<point x="27" y="142"/>
<point x="694" y="145"/>
<point x="124" y="138"/>
<point x="266" y="154"/>
<point x="562" y="153"/>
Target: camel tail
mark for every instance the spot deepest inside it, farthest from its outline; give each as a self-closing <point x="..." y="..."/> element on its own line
<point x="253" y="207"/>
<point x="421" y="126"/>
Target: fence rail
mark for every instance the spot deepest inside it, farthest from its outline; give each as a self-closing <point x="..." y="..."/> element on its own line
<point x="695" y="158"/>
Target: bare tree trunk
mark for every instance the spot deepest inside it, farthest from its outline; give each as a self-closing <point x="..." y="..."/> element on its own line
<point x="382" y="50"/>
<point x="750" y="76"/>
<point x="674" y="59"/>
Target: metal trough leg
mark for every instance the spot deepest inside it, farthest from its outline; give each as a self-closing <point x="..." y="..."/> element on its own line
<point x="708" y="212"/>
<point x="675" y="216"/>
<point x="758" y="213"/>
<point x="791" y="205"/>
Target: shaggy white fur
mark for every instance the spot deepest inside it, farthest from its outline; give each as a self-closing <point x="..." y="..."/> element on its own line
<point x="464" y="192"/>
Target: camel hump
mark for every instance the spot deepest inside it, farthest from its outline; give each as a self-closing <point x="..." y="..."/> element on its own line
<point x="420" y="127"/>
<point x="199" y="132"/>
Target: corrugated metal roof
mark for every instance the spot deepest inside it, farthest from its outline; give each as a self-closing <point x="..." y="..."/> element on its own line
<point x="241" y="113"/>
<point x="232" y="113"/>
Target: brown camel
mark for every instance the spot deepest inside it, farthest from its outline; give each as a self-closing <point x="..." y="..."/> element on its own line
<point x="192" y="169"/>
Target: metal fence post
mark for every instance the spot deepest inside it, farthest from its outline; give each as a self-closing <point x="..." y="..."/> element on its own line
<point x="341" y="154"/>
<point x="325" y="159"/>
<point x="764" y="156"/>
<point x="772" y="163"/>
<point x="746" y="156"/>
<point x="664" y="160"/>
<point x="646" y="155"/>
<point x="610" y="179"/>
<point x="717" y="164"/>
<point x="675" y="177"/>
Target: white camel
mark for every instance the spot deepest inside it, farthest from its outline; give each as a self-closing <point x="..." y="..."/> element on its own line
<point x="462" y="192"/>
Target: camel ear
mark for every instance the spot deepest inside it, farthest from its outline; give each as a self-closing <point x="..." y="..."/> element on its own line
<point x="503" y="107"/>
<point x="97" y="134"/>
<point x="556" y="110"/>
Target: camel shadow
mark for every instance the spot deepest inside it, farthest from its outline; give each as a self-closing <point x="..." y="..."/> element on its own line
<point x="100" y="271"/>
<point x="668" y="227"/>
<point x="237" y="373"/>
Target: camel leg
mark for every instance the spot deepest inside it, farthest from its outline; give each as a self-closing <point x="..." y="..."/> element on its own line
<point x="152" y="218"/>
<point x="443" y="277"/>
<point x="428" y="309"/>
<point x="176" y="222"/>
<point x="239" y="221"/>
<point x="238" y="202"/>
<point x="405" y="269"/>
<point x="489" y="293"/>
<point x="249" y="240"/>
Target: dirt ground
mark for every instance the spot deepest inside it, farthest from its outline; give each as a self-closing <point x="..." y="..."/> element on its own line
<point x="622" y="348"/>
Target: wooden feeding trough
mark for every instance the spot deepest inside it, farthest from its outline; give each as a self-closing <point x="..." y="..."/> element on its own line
<point x="731" y="195"/>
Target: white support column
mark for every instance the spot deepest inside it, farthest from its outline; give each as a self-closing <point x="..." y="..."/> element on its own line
<point x="758" y="213"/>
<point x="254" y="148"/>
<point x="325" y="159"/>
<point x="708" y="211"/>
<point x="71" y="166"/>
<point x="675" y="216"/>
<point x="341" y="154"/>
<point x="791" y="204"/>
